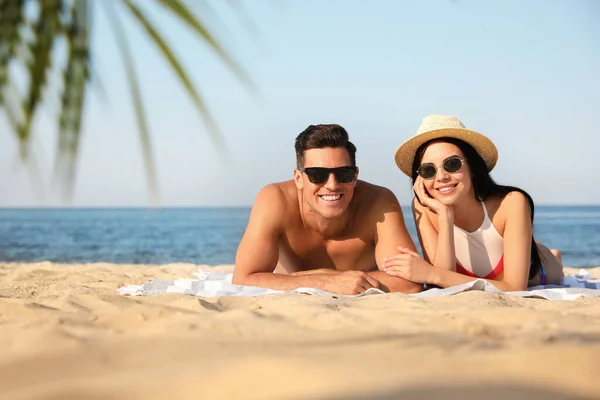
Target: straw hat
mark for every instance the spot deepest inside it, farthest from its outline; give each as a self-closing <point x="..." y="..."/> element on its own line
<point x="438" y="126"/>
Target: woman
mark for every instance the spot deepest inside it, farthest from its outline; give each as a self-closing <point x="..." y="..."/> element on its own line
<point x="469" y="227"/>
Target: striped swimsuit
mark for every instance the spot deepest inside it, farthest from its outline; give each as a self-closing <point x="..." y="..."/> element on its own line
<point x="480" y="254"/>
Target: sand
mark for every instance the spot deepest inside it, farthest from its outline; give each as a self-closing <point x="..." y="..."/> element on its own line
<point x="65" y="333"/>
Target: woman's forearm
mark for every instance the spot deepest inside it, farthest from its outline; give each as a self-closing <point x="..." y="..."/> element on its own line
<point x="445" y="278"/>
<point x="445" y="257"/>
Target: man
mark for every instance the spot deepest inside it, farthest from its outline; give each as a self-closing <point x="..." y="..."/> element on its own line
<point x="324" y="229"/>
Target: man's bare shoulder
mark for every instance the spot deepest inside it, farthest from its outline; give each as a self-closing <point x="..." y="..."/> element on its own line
<point x="375" y="197"/>
<point x="279" y="192"/>
<point x="278" y="198"/>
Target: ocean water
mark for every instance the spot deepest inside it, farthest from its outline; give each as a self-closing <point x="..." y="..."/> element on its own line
<point x="211" y="235"/>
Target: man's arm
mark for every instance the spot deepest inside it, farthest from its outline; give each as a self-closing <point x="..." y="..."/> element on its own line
<point x="258" y="253"/>
<point x="391" y="233"/>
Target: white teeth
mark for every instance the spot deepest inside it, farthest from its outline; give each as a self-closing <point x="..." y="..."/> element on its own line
<point x="331" y="197"/>
<point x="446" y="189"/>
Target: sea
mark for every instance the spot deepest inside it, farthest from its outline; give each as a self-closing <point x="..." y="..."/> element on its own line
<point x="211" y="235"/>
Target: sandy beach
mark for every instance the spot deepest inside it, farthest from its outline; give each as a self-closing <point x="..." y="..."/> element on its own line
<point x="66" y="333"/>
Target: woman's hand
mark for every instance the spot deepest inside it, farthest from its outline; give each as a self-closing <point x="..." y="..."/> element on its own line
<point x="428" y="201"/>
<point x="409" y="265"/>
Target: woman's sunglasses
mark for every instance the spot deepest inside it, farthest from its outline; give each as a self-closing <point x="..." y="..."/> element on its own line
<point x="319" y="175"/>
<point x="451" y="165"/>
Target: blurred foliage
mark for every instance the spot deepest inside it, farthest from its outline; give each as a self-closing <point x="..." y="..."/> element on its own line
<point x="32" y="30"/>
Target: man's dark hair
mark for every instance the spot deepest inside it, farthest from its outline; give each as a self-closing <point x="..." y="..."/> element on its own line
<point x="323" y="136"/>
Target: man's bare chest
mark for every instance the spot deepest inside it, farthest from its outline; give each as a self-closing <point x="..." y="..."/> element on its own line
<point x="300" y="252"/>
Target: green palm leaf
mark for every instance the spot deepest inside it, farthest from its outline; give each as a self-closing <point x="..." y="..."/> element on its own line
<point x="69" y="21"/>
<point x="184" y="13"/>
<point x="140" y="113"/>
<point x="46" y="29"/>
<point x="245" y="18"/>
<point x="11" y="20"/>
<point x="75" y="78"/>
<point x="179" y="71"/>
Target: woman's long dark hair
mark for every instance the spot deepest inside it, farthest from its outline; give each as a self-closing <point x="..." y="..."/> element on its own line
<point x="483" y="186"/>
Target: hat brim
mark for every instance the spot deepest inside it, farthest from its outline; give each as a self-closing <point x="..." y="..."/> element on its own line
<point x="405" y="154"/>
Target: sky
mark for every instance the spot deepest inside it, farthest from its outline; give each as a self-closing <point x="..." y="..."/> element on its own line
<point x="524" y="73"/>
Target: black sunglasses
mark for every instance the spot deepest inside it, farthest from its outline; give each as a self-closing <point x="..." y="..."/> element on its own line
<point x="451" y="165"/>
<point x="319" y="175"/>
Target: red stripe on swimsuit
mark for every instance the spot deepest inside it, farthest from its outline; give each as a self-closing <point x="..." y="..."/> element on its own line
<point x="496" y="272"/>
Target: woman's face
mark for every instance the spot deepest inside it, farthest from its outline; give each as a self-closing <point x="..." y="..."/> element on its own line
<point x="447" y="187"/>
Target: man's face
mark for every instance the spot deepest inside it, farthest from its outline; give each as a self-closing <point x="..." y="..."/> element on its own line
<point x="328" y="195"/>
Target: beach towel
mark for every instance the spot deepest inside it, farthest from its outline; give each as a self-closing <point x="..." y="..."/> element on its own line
<point x="211" y="284"/>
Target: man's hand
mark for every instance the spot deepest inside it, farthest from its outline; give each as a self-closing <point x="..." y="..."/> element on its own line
<point x="349" y="282"/>
<point x="387" y="282"/>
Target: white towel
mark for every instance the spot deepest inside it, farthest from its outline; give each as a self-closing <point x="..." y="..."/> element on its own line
<point x="211" y="284"/>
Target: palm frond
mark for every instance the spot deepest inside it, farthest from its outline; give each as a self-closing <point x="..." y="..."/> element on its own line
<point x="181" y="10"/>
<point x="28" y="41"/>
<point x="144" y="131"/>
<point x="97" y="83"/>
<point x="12" y="107"/>
<point x="11" y="19"/>
<point x="245" y="18"/>
<point x="75" y="77"/>
<point x="11" y="16"/>
<point x="167" y="52"/>
<point x="46" y="30"/>
<point x="208" y="13"/>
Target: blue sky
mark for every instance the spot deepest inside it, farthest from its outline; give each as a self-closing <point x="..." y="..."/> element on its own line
<point x="525" y="73"/>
